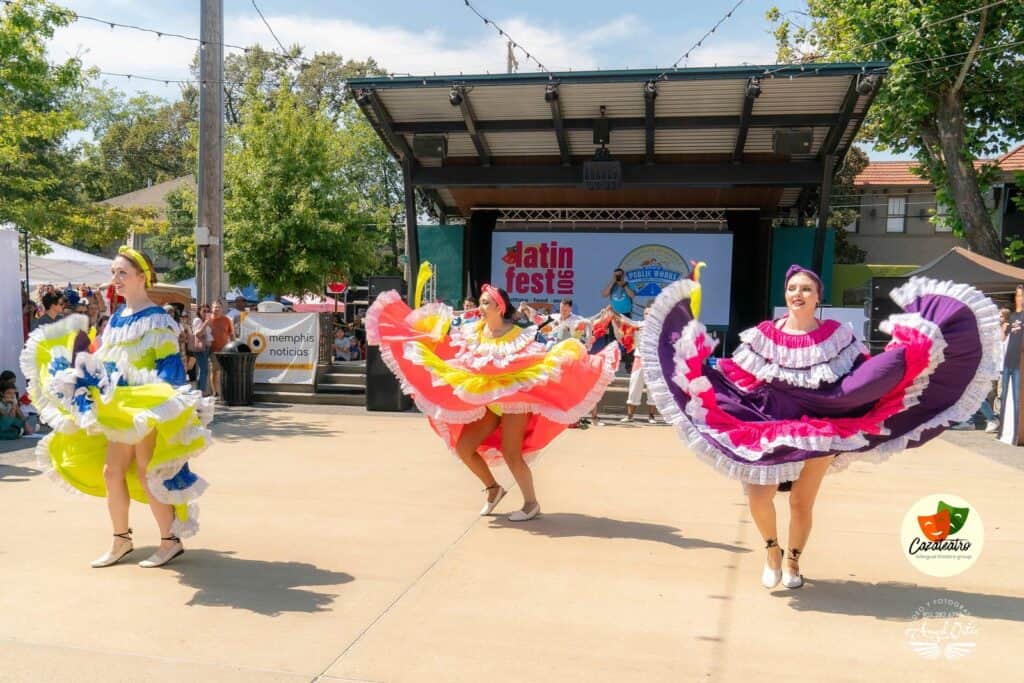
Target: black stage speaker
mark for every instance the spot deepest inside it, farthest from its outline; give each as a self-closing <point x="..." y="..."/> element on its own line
<point x="382" y="283"/>
<point x="382" y="390"/>
<point x="792" y="140"/>
<point x="878" y="308"/>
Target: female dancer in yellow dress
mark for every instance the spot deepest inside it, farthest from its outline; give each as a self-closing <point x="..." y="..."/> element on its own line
<point x="125" y="420"/>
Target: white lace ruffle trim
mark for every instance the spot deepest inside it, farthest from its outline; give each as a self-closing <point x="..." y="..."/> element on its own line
<point x="805" y="366"/>
<point x="986" y="316"/>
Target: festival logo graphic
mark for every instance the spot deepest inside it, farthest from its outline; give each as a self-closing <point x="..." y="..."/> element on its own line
<point x="943" y="629"/>
<point x="653" y="267"/>
<point x="257" y="342"/>
<point x="543" y="270"/>
<point x="942" y="535"/>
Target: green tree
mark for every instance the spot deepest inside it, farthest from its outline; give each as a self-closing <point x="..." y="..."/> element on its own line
<point x="842" y="210"/>
<point x="952" y="93"/>
<point x="174" y="238"/>
<point x="137" y="141"/>
<point x="290" y="220"/>
<point x="40" y="189"/>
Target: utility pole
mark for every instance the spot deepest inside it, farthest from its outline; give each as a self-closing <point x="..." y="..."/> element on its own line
<point x="209" y="233"/>
<point x="511" y="63"/>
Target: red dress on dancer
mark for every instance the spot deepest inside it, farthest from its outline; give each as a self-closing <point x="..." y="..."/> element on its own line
<point x="455" y="373"/>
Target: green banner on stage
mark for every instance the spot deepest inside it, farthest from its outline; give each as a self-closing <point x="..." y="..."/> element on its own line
<point x="442" y="246"/>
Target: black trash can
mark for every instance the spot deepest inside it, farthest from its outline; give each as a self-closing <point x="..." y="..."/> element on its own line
<point x="237" y="374"/>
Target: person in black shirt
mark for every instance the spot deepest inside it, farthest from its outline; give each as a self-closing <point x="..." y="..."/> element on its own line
<point x="52" y="310"/>
<point x="1010" y="403"/>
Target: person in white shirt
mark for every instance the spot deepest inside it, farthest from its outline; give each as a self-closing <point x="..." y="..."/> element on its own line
<point x="568" y="325"/>
<point x="637" y="384"/>
<point x="236" y="313"/>
<point x="342" y="345"/>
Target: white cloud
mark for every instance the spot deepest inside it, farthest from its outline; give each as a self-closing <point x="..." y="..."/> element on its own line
<point x="727" y="53"/>
<point x="396" y="48"/>
<point x="426" y="52"/>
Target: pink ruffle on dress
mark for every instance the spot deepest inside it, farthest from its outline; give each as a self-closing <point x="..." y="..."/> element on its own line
<point x="455" y="373"/>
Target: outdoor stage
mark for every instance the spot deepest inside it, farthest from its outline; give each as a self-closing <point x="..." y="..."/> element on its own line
<point x="342" y="546"/>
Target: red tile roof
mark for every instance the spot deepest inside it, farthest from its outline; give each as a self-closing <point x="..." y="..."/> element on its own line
<point x="1012" y="160"/>
<point x="900" y="174"/>
<point x="890" y="173"/>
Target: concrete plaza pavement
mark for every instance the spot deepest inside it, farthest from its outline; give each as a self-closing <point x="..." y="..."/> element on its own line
<point x="340" y="545"/>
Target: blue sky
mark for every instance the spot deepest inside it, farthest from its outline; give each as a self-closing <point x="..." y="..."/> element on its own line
<point x="429" y="36"/>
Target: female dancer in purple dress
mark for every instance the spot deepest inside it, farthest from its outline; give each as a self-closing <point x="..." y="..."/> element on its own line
<point x="801" y="397"/>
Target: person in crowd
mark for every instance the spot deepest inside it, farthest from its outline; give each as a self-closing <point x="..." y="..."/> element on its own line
<point x="490" y="390"/>
<point x="223" y="331"/>
<point x="185" y="339"/>
<point x="101" y="325"/>
<point x="1013" y="332"/>
<point x="469" y="308"/>
<point x="238" y="308"/>
<point x="800" y="397"/>
<point x="619" y="293"/>
<point x="53" y="310"/>
<point x="637" y="384"/>
<point x="13" y="423"/>
<point x="29" y="310"/>
<point x="343" y="344"/>
<point x="125" y="422"/>
<point x="568" y="325"/>
<point x="202" y="335"/>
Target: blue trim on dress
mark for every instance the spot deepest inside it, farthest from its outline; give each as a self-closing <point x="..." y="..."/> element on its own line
<point x="117" y="320"/>
<point x="171" y="370"/>
<point x="182" y="480"/>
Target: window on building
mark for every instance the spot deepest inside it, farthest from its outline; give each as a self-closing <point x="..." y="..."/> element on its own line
<point x="896" y="219"/>
<point x="942" y="222"/>
<point x="854" y="225"/>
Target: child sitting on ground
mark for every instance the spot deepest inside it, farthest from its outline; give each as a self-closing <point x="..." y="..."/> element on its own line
<point x="12" y="421"/>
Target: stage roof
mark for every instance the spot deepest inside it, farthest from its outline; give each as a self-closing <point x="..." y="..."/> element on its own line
<point x="744" y="136"/>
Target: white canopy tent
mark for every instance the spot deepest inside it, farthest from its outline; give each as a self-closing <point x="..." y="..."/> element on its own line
<point x="63" y="265"/>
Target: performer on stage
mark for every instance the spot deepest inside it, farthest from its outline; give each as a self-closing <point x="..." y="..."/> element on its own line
<point x="125" y="420"/>
<point x="489" y="389"/>
<point x="800" y="396"/>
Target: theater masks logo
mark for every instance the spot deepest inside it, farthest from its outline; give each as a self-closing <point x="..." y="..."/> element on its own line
<point x="942" y="535"/>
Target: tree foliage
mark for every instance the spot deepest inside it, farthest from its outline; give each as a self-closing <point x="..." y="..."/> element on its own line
<point x="952" y="92"/>
<point x="41" y="189"/>
<point x="291" y="221"/>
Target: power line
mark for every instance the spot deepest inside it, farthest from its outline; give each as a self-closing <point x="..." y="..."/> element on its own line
<point x="503" y="33"/>
<point x="266" y="23"/>
<point x="982" y="50"/>
<point x="686" y="55"/>
<point x="916" y="29"/>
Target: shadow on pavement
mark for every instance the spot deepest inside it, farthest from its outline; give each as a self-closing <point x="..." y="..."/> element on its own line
<point x="263" y="587"/>
<point x="11" y="473"/>
<point x="264" y="424"/>
<point x="893" y="601"/>
<point x="567" y="524"/>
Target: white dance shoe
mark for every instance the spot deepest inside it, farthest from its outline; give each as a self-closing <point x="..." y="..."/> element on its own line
<point x="121" y="547"/>
<point x="164" y="555"/>
<point x="770" y="577"/>
<point x="525" y="515"/>
<point x="489" y="505"/>
<point x="793" y="580"/>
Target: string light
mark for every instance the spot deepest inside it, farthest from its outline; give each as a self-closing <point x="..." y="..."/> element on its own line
<point x="699" y="43"/>
<point x="504" y="34"/>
